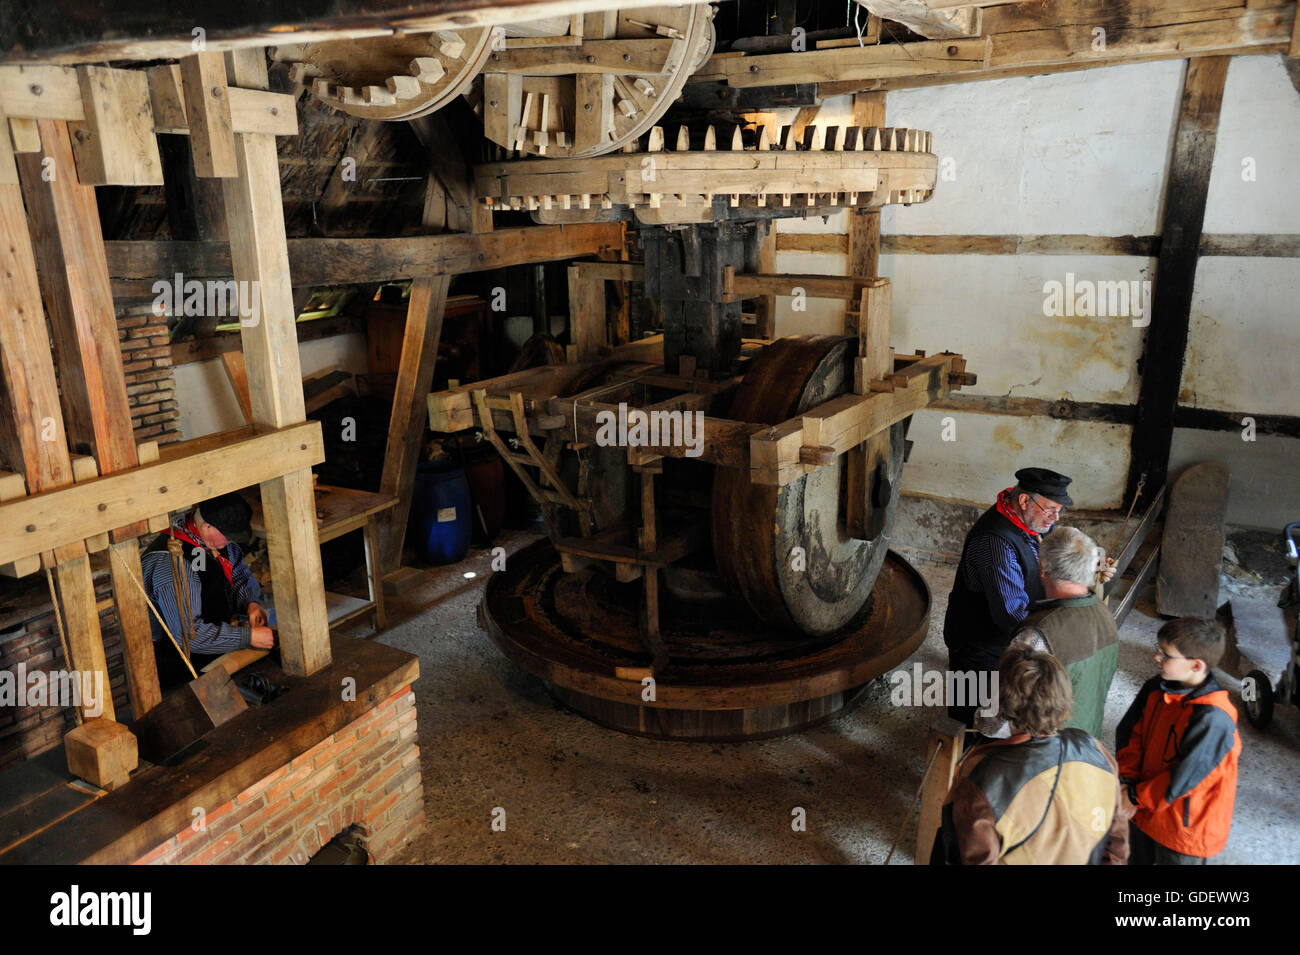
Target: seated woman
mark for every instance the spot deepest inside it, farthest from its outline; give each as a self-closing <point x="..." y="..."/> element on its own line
<point x="1044" y="796"/>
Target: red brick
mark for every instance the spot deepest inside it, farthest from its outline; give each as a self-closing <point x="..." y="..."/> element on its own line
<point x="295" y="777"/>
<point x="261" y="784"/>
<point x="156" y="853"/>
<point x="376" y="811"/>
<point x="340" y="777"/>
<point x="384" y="776"/>
<point x="215" y="849"/>
<point x="133" y="321"/>
<point x="132" y="367"/>
<point x="313" y="782"/>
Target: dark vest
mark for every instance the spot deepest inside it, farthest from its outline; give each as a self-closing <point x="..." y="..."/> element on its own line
<point x="968" y="621"/>
<point x="217" y="597"/>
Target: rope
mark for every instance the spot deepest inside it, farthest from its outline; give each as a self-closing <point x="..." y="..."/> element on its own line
<point x="938" y="748"/>
<point x="63" y="640"/>
<point x="154" y="610"/>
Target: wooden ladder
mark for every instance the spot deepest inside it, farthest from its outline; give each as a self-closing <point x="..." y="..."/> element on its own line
<point x="545" y="461"/>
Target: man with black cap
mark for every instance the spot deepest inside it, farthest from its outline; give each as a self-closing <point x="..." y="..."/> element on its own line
<point x="224" y="607"/>
<point x="997" y="578"/>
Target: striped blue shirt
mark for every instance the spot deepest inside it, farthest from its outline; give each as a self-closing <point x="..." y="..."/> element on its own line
<point x="208" y="638"/>
<point x="993" y="570"/>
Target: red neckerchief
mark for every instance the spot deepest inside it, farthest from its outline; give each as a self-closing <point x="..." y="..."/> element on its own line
<point x="1006" y="510"/>
<point x="226" y="567"/>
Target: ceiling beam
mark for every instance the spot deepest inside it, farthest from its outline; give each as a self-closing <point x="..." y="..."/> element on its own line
<point x="924" y="18"/>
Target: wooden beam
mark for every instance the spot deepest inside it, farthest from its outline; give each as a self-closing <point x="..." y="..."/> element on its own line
<point x="868" y="464"/>
<point x="237" y="374"/>
<point x="255" y="218"/>
<point x="39" y="522"/>
<point x="586" y="316"/>
<point x="1027" y="38"/>
<point x="32" y="435"/>
<point x="410" y="416"/>
<point x="207" y="108"/>
<point x="1166" y="344"/>
<point x="925" y="19"/>
<point x="115" y="145"/>
<point x="69" y="249"/>
<point x="331" y="261"/>
<point x="1255" y="245"/>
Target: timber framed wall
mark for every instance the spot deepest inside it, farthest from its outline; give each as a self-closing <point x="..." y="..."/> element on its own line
<point x="1065" y="174"/>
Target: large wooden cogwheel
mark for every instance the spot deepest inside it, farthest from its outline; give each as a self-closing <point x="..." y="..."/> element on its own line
<point x="393" y="78"/>
<point x="584" y="95"/>
<point x="746" y="168"/>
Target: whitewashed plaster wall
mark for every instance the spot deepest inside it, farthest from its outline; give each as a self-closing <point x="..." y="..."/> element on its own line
<point x="206" y="399"/>
<point x="1086" y="153"/>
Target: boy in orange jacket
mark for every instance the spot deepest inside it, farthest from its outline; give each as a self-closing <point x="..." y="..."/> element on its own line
<point x="1177" y="749"/>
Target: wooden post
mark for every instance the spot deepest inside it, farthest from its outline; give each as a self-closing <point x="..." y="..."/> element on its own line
<point x="255" y="218"/>
<point x="424" y="313"/>
<point x="33" y="435"/>
<point x="586" y="315"/>
<point x="69" y="247"/>
<point x="1180" y="238"/>
<point x="946" y="736"/>
<point x="864" y="227"/>
<point x="868" y="463"/>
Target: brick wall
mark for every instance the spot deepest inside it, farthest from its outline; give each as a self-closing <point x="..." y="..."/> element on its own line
<point x="147" y="363"/>
<point x="367" y="774"/>
<point x="30" y="730"/>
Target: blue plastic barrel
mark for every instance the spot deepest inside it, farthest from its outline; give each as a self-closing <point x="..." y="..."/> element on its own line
<point x="442" y="506"/>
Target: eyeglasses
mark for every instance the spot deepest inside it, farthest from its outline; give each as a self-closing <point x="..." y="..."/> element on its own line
<point x="1053" y="512"/>
<point x="1161" y="655"/>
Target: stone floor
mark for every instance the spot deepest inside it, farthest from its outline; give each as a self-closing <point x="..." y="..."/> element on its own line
<point x="494" y="744"/>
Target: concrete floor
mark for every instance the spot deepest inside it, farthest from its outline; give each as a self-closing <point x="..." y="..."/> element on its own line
<point x="492" y="739"/>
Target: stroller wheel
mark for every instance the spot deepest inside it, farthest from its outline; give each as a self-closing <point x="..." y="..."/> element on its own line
<point x="1257" y="695"/>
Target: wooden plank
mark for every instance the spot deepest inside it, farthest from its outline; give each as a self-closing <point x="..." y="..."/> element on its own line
<point x="942" y="754"/>
<point x="251" y="111"/>
<point x="315" y="262"/>
<point x="255" y="218"/>
<point x="14" y="486"/>
<point x="502" y="98"/>
<point x="32" y="438"/>
<point x="207" y="106"/>
<point x="586" y="315"/>
<point x="115" y="145"/>
<point x="925" y="20"/>
<point x="1184" y="214"/>
<point x="814" y="286"/>
<point x="424" y="315"/>
<point x="26" y="135"/>
<point x="84" y="468"/>
<point x="593" y="110"/>
<point x="38" y="522"/>
<point x="863" y="518"/>
<point x="81" y="624"/>
<point x="846" y="421"/>
<point x="237" y="374"/>
<point x="1223" y="31"/>
<point x="625" y="57"/>
<point x="69" y="250"/>
<point x="8" y="169"/>
<point x="133" y="617"/>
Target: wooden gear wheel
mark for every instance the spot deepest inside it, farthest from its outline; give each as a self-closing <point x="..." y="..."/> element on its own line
<point x="748" y="168"/>
<point x="394" y="78"/>
<point x="784" y="549"/>
<point x="583" y="95"/>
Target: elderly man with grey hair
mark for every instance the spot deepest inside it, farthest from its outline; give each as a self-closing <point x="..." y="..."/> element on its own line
<point x="1073" y="622"/>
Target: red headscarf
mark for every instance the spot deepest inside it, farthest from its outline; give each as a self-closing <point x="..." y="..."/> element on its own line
<point x="1006" y="507"/>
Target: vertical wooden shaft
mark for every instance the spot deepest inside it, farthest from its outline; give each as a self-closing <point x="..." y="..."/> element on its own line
<point x="133" y="616"/>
